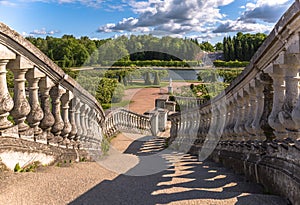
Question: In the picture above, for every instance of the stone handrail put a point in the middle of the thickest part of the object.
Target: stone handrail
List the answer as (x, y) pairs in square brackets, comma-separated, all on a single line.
[(256, 120), (121, 120), (126, 121), (47, 106), (187, 103)]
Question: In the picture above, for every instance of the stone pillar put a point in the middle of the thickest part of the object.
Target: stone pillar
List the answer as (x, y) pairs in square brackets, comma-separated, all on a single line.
[(259, 110), (36, 114), (83, 118), (72, 110), (65, 100), (268, 104), (6, 101), (154, 123), (56, 93), (221, 118), (48, 120), (229, 118), (291, 93), (239, 110), (252, 109), (277, 74), (21, 109), (78, 122)]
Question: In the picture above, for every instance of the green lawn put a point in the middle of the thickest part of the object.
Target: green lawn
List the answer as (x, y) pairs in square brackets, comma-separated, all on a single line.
[(123, 103)]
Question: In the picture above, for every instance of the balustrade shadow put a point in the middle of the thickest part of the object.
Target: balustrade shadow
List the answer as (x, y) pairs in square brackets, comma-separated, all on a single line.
[(182, 178)]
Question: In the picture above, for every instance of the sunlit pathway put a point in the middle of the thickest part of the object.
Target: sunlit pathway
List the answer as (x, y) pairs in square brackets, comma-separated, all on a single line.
[(140, 171)]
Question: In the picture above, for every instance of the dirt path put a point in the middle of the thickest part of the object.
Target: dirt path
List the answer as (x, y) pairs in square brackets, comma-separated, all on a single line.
[(170, 178), (143, 99)]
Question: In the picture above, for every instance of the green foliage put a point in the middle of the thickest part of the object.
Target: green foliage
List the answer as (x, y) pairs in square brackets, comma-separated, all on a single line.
[(142, 50), (72, 73), (109, 90), (118, 93), (230, 64), (82, 159), (206, 46), (208, 76), (229, 75), (219, 46), (105, 145), (147, 78), (151, 63), (156, 79), (242, 46), (17, 168), (10, 79), (218, 75), (29, 168)]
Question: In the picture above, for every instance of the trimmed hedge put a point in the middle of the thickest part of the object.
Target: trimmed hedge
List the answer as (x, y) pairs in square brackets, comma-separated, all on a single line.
[(149, 63), (230, 64)]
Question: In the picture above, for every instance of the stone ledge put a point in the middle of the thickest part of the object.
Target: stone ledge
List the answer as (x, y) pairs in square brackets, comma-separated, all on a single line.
[(16, 150), (277, 176)]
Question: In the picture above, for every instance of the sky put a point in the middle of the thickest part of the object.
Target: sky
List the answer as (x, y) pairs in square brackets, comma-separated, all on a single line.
[(206, 20)]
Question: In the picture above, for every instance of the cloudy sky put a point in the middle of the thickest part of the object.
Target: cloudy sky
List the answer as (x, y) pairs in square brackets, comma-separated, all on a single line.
[(208, 20)]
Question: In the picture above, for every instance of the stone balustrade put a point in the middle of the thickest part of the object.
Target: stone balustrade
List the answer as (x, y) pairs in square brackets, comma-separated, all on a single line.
[(121, 120), (46, 106), (186, 103), (254, 126)]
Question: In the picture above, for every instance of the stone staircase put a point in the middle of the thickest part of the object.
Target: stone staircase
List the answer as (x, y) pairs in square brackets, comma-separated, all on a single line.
[(157, 175)]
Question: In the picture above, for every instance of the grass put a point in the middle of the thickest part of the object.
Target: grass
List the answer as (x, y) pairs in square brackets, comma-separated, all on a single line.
[(29, 168), (123, 103)]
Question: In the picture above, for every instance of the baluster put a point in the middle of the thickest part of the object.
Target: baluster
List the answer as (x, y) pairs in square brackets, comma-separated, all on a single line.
[(222, 108), (268, 104), (78, 123), (245, 114), (83, 118), (65, 100), (277, 74), (239, 110), (21, 109), (72, 134), (291, 94), (90, 117), (252, 109), (56, 93), (36, 114), (259, 135), (6, 101), (48, 120)]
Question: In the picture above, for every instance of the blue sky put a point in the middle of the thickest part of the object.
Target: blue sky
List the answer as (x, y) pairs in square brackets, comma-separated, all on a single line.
[(207, 20)]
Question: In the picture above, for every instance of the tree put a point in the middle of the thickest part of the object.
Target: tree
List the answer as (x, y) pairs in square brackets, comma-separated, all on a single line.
[(147, 78), (156, 79), (109, 90), (219, 46)]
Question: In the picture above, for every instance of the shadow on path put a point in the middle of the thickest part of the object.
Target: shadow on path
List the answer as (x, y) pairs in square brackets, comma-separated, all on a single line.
[(182, 180)]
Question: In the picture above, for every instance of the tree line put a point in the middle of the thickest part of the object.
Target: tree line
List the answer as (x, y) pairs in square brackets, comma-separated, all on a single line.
[(69, 51), (242, 47)]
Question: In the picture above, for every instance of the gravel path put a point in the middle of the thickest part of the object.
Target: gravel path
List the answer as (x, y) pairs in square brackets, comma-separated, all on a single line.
[(167, 178), (143, 99)]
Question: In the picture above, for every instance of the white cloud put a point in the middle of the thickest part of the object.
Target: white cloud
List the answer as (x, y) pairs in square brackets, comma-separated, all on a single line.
[(43, 31), (7, 3), (170, 16), (259, 16), (242, 26), (89, 3)]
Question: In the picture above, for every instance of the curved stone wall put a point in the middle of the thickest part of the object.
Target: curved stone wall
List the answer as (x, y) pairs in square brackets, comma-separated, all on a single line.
[(46, 105), (253, 126)]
